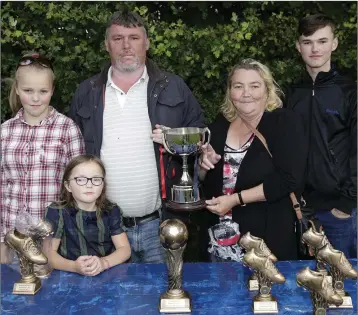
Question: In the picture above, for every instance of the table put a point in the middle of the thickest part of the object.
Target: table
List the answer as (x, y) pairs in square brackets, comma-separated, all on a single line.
[(134, 289)]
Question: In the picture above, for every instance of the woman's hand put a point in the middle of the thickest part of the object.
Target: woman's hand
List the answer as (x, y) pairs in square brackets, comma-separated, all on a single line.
[(208, 157), (221, 205)]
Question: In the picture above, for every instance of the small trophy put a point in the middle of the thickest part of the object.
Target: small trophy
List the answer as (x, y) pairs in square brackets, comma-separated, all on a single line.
[(340, 269), (25, 240), (184, 142), (248, 242), (316, 240), (267, 274), (321, 290), (173, 236)]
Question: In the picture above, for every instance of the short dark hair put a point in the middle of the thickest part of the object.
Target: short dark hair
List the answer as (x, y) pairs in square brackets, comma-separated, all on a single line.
[(126, 18), (311, 23)]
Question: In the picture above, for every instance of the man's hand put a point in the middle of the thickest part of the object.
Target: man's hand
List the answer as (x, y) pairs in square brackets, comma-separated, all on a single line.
[(340, 214), (222, 204), (208, 157), (157, 134)]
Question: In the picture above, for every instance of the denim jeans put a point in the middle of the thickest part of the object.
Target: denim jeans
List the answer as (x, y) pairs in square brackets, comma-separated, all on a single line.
[(145, 244), (342, 233)]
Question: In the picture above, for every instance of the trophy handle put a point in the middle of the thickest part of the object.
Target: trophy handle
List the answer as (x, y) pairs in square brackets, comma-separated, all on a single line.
[(206, 129), (165, 145)]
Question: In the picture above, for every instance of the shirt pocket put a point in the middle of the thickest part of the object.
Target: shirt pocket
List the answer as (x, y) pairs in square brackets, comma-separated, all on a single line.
[(170, 110), (51, 153)]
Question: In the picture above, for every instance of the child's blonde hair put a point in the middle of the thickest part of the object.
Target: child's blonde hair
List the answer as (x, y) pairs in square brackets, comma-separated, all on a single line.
[(14, 100)]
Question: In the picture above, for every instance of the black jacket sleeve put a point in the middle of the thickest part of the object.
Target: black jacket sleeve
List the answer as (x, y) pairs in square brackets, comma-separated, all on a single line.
[(349, 188), (289, 154)]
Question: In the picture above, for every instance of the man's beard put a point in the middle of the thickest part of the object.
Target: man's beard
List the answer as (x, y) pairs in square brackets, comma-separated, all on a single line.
[(128, 67)]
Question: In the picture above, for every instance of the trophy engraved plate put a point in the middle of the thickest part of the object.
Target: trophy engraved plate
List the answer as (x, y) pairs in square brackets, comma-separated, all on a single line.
[(262, 307), (26, 288), (173, 236), (253, 285), (185, 194)]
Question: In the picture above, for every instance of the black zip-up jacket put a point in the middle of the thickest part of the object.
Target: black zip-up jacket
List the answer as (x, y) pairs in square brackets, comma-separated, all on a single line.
[(329, 108), (170, 103)]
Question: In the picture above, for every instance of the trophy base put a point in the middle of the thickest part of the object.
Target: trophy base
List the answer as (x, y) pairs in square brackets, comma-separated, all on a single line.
[(347, 301), (30, 288), (193, 206), (175, 301), (265, 305)]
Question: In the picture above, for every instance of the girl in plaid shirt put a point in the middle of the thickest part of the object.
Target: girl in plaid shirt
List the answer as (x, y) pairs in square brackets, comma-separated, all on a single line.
[(89, 236), (36, 145)]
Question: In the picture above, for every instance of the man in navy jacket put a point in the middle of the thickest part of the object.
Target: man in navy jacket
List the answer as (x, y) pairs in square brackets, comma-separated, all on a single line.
[(114, 110)]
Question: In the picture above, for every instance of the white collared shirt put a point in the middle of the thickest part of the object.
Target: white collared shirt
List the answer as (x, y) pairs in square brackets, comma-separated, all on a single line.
[(127, 149)]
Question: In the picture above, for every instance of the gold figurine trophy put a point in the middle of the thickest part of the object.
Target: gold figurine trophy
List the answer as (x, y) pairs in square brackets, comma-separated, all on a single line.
[(340, 269), (248, 242), (316, 240), (25, 240), (173, 237), (267, 274), (321, 290)]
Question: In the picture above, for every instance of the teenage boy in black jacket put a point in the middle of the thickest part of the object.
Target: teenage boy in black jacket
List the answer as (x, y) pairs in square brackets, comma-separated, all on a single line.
[(328, 104)]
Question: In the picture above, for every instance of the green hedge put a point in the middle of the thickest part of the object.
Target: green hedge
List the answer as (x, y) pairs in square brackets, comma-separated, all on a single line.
[(200, 41)]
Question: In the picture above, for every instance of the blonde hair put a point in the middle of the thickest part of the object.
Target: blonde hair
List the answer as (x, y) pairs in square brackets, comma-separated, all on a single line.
[(272, 88), (14, 100)]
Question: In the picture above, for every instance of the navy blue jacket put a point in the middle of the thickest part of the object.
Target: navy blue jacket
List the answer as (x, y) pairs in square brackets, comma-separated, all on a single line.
[(170, 103), (329, 108)]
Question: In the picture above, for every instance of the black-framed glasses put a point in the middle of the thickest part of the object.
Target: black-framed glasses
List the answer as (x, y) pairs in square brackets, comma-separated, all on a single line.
[(81, 181), (28, 60)]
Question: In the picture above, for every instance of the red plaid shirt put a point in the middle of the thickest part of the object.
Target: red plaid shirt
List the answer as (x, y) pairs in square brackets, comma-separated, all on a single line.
[(33, 159)]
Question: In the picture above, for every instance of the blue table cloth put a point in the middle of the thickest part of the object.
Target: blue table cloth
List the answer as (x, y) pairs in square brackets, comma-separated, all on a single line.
[(134, 289)]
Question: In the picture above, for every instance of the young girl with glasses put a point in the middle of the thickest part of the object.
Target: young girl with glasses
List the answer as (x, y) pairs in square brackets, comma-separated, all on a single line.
[(36, 145), (88, 233)]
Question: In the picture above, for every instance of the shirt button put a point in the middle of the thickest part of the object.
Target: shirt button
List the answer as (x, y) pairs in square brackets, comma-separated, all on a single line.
[(155, 95)]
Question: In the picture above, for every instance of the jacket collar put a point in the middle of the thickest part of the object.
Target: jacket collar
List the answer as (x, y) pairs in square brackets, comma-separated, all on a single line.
[(154, 73), (321, 78)]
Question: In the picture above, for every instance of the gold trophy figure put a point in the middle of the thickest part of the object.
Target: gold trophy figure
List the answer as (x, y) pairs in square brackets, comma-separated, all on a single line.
[(248, 242), (267, 274), (25, 240), (173, 236), (321, 290), (316, 240), (340, 269)]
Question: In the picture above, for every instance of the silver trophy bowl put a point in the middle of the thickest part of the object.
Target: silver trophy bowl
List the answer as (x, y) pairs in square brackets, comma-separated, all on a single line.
[(184, 142)]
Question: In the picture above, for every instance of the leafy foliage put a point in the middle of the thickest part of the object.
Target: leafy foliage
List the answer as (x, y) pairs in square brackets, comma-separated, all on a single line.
[(200, 41)]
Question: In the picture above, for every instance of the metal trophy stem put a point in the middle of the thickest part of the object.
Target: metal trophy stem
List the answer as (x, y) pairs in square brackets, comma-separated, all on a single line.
[(184, 142), (319, 304), (173, 236)]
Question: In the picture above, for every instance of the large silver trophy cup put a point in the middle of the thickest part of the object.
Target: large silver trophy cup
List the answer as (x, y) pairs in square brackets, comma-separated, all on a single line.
[(186, 141)]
